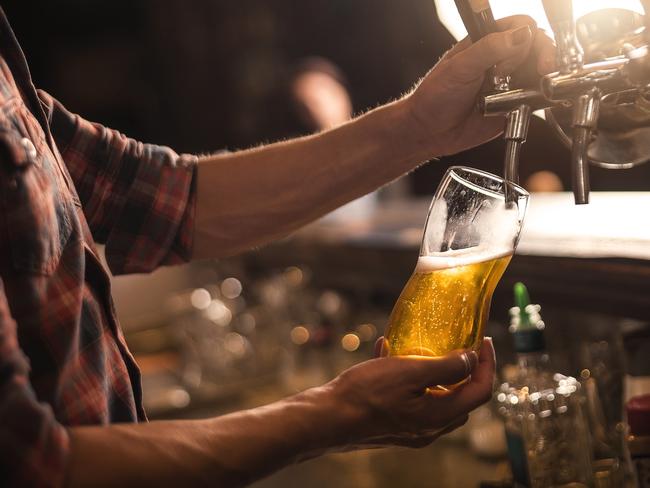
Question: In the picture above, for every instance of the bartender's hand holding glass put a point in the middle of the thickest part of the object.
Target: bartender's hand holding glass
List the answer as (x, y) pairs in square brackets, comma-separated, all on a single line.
[(444, 106), (389, 401)]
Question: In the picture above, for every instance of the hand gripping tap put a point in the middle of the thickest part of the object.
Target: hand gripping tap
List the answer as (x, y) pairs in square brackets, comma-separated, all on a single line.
[(598, 102), (479, 21)]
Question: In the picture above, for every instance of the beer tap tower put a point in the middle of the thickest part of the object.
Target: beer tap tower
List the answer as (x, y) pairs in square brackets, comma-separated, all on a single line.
[(598, 102)]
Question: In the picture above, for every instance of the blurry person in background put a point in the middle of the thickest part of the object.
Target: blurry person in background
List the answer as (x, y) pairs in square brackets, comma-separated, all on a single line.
[(70, 393), (321, 100), (318, 89)]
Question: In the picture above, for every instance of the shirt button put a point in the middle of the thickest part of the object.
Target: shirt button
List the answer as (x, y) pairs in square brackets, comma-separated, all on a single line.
[(29, 148)]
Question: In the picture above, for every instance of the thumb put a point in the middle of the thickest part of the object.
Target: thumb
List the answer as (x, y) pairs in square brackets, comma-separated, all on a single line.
[(381, 347), (423, 372), (502, 49)]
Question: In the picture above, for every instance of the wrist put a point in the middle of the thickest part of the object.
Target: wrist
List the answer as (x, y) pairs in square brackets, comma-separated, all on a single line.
[(332, 420), (411, 131)]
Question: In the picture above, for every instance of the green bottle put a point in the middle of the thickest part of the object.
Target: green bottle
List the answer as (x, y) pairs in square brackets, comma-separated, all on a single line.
[(547, 434)]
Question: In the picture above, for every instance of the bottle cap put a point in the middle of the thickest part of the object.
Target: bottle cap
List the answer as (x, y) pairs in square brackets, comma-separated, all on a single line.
[(526, 323)]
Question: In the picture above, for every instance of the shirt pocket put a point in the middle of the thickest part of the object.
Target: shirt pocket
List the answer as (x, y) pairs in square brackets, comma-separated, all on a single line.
[(36, 205)]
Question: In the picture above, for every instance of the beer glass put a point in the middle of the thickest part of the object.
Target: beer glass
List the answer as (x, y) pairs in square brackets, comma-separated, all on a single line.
[(471, 233)]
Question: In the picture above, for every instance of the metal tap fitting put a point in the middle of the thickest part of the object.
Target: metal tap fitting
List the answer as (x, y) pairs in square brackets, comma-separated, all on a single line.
[(570, 55), (585, 120)]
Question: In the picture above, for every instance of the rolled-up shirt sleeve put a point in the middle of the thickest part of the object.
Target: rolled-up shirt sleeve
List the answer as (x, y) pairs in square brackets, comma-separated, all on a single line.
[(138, 198), (33, 445)]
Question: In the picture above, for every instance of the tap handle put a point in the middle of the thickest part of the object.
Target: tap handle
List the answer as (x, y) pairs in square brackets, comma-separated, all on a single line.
[(479, 22), (477, 17), (558, 11), (560, 16)]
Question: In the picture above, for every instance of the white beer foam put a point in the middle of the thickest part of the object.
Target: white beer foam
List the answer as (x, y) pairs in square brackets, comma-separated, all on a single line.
[(459, 257), (498, 225), (495, 225)]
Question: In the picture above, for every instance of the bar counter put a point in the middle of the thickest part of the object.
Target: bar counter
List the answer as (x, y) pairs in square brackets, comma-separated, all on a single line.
[(594, 257)]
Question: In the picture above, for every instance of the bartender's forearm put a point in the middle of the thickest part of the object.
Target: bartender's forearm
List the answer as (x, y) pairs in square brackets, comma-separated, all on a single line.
[(251, 197), (231, 451), (375, 403)]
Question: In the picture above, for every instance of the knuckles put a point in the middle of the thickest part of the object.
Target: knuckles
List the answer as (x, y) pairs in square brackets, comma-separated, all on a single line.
[(494, 42)]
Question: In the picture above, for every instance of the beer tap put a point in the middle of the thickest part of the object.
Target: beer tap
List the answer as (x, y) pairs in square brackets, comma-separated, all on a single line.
[(479, 22), (598, 104), (609, 126), (586, 106)]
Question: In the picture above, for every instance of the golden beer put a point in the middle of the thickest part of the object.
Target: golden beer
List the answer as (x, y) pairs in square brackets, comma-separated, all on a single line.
[(445, 304)]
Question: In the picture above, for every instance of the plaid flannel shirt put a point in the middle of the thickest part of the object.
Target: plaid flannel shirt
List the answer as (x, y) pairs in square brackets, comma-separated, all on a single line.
[(63, 182)]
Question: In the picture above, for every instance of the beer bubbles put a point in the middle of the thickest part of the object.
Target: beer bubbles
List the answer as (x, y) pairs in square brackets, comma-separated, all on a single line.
[(470, 236)]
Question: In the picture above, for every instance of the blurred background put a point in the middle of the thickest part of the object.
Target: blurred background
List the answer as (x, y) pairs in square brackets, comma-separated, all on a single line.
[(219, 336), (213, 74)]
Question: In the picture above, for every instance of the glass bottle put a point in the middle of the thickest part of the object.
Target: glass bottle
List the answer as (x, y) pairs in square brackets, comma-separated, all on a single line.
[(546, 429)]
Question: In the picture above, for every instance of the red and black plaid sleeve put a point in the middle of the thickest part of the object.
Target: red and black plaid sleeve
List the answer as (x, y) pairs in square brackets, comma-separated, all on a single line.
[(33, 446), (138, 198)]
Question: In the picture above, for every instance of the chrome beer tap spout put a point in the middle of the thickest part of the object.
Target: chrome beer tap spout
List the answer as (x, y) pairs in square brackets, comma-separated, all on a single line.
[(585, 118), (517, 124)]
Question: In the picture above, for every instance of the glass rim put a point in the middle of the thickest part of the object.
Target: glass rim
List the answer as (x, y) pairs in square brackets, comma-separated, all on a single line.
[(455, 172)]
